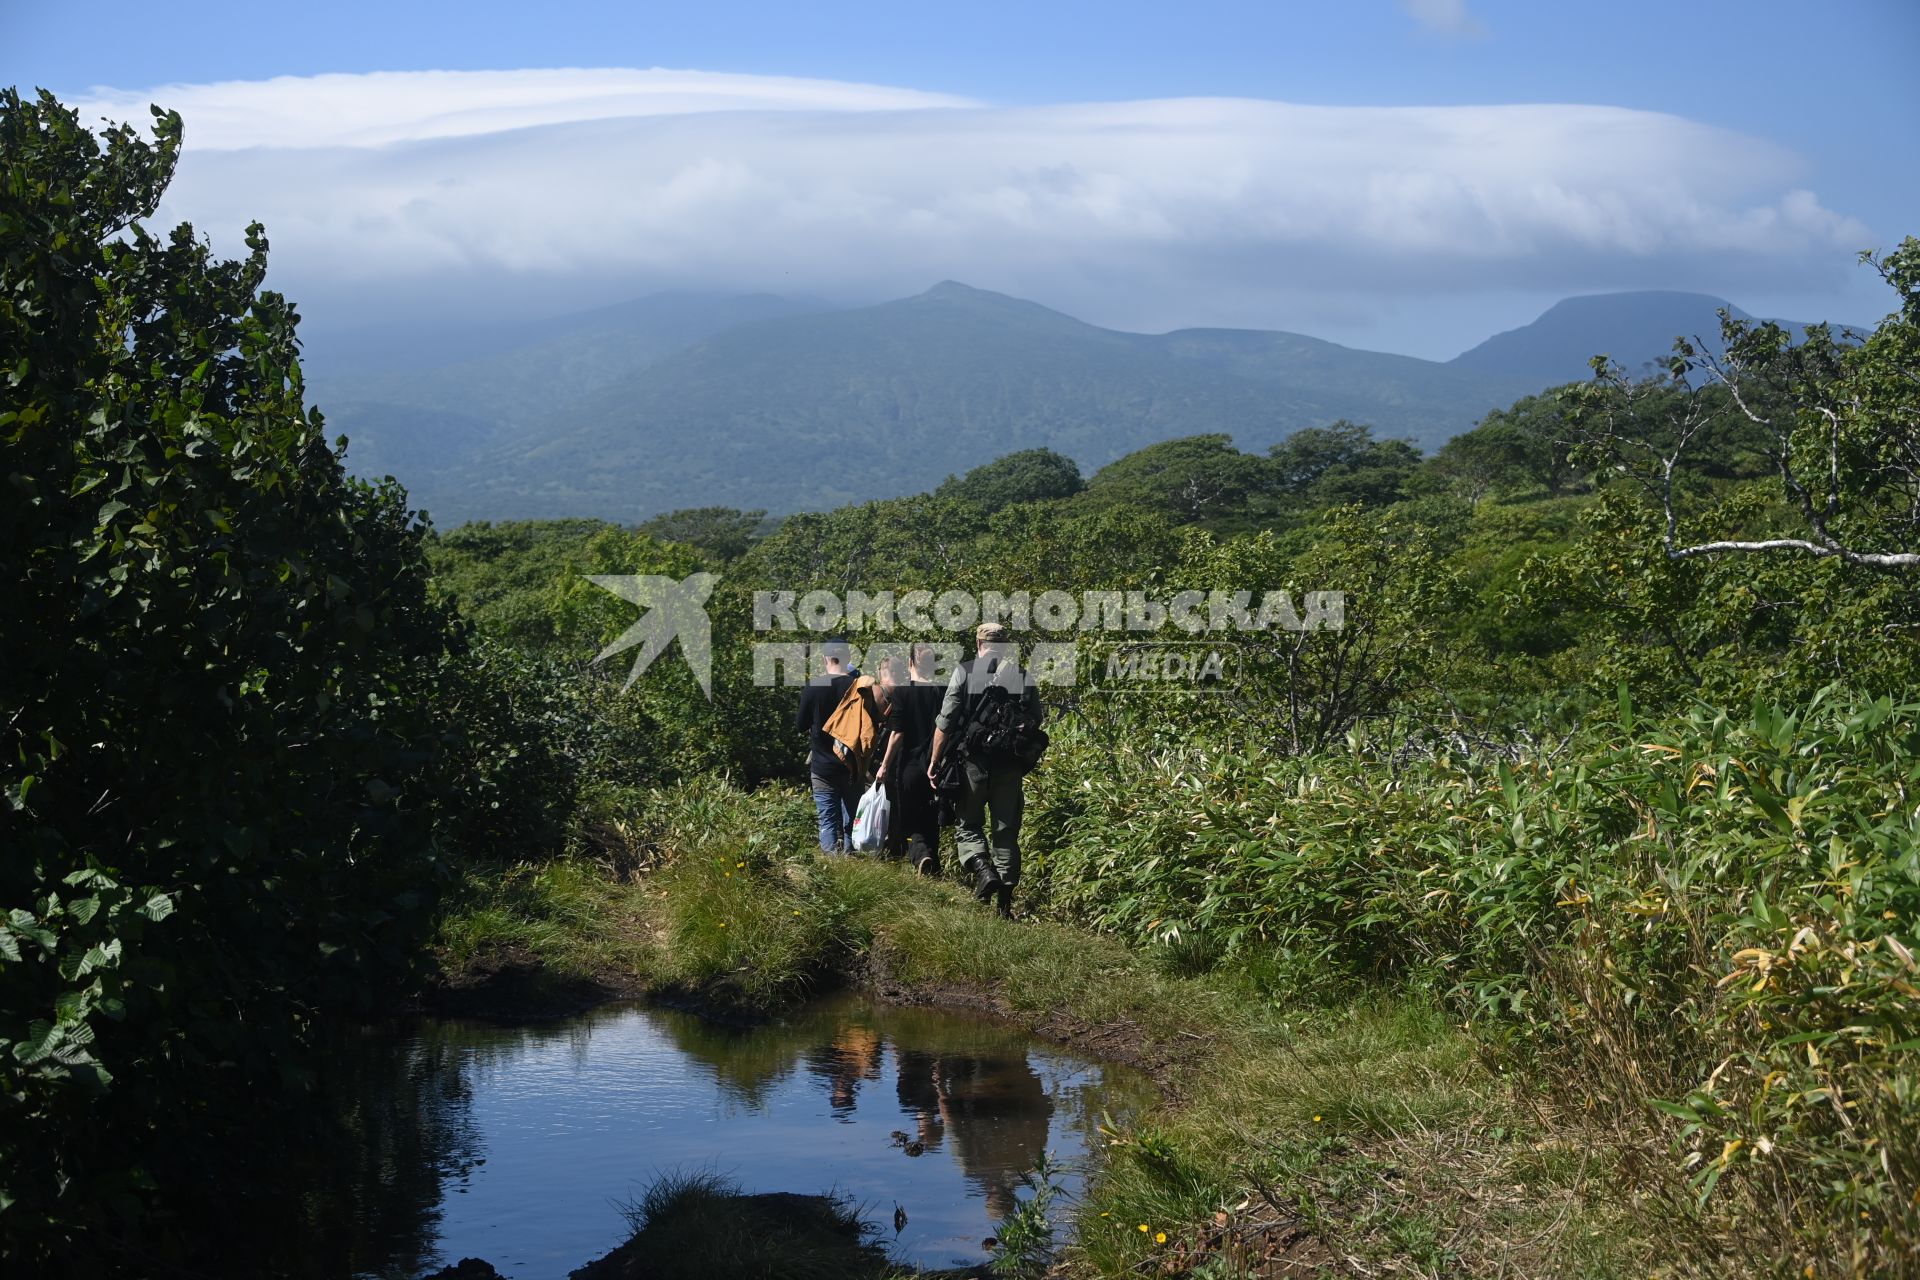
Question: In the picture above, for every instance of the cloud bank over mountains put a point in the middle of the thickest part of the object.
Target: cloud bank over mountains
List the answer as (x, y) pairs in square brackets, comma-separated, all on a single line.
[(1144, 213), (376, 108)]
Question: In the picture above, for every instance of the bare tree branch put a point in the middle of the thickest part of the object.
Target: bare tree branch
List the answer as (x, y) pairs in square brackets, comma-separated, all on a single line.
[(1819, 397)]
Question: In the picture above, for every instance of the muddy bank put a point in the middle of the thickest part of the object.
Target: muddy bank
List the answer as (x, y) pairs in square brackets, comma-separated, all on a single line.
[(1124, 1042), (513, 984)]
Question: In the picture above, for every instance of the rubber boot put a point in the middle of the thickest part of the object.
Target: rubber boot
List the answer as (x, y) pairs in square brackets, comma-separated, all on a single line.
[(1003, 901), (986, 879)]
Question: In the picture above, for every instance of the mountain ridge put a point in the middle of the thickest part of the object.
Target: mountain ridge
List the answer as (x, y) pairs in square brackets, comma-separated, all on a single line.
[(1563, 339), (755, 400)]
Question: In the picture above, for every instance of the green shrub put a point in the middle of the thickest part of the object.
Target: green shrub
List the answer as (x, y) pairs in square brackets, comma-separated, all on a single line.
[(219, 760), (1703, 916)]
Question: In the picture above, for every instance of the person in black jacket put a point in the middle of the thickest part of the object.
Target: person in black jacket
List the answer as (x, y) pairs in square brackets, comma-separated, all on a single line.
[(990, 786), (833, 798), (915, 704)]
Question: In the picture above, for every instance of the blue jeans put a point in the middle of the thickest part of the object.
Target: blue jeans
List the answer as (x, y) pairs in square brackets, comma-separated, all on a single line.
[(833, 803)]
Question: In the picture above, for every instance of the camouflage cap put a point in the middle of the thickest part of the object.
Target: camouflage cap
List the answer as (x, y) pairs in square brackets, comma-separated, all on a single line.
[(991, 633)]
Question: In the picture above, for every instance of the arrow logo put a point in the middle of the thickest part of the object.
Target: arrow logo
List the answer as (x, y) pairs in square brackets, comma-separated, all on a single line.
[(676, 609)]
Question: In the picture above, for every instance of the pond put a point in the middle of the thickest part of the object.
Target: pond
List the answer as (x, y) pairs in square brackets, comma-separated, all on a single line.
[(522, 1144)]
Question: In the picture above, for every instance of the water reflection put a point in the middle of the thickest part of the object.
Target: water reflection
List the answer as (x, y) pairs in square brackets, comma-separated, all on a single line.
[(351, 1185), (997, 1110), (853, 1055), (518, 1144), (983, 1089)]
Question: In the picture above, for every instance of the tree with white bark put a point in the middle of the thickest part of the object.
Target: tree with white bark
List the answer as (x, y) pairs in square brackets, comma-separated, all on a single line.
[(1835, 417)]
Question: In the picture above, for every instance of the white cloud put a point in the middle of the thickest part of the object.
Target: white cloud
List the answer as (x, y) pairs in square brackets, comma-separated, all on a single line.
[(1445, 17), (405, 106), (1125, 210)]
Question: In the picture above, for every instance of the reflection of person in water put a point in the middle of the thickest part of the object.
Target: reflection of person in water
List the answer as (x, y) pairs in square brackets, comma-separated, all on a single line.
[(995, 1108), (919, 1095), (853, 1055)]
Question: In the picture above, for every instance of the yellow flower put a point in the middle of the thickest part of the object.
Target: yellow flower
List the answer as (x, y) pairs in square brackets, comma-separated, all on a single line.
[(723, 924), (1143, 1228), (739, 864), (729, 875), (1159, 1237), (1316, 1119)]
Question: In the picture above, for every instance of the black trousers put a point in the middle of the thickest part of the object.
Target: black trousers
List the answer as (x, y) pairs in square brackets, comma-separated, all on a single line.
[(915, 830)]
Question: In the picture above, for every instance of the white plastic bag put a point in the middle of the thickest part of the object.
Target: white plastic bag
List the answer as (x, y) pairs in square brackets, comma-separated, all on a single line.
[(870, 820)]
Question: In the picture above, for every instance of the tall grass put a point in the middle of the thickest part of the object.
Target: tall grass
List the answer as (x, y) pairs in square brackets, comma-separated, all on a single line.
[(1705, 924)]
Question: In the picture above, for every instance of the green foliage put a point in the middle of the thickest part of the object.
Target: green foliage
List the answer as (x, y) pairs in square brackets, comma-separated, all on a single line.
[(523, 735), (1068, 547), (1800, 867), (724, 533), (1527, 447), (1707, 915), (1204, 480), (506, 578), (1341, 464), (1303, 688), (1508, 626), (220, 762), (1031, 475), (1828, 419), (1027, 1245), (1723, 627), (525, 586), (1190, 480)]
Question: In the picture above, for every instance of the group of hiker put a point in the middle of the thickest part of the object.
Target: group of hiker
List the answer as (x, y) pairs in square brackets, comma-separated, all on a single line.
[(898, 753)]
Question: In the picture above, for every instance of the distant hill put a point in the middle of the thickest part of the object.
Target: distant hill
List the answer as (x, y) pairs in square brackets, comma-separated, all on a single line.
[(815, 407), (413, 421), (683, 400), (1632, 329)]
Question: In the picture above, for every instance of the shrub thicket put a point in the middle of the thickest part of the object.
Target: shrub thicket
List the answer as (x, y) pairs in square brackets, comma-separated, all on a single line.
[(221, 757)]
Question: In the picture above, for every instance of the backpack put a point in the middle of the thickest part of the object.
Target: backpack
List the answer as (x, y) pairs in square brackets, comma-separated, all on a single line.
[(1000, 731)]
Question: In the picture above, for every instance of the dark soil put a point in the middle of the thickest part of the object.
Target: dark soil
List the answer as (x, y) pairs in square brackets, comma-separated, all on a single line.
[(512, 984)]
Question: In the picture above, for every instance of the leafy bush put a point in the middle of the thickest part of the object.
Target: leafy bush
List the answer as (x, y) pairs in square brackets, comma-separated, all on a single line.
[(220, 766)]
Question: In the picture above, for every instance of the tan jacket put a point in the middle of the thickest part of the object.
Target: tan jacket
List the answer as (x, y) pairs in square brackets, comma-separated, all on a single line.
[(854, 727)]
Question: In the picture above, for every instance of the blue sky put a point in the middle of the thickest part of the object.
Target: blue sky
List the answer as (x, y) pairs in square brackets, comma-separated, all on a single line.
[(1812, 99)]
